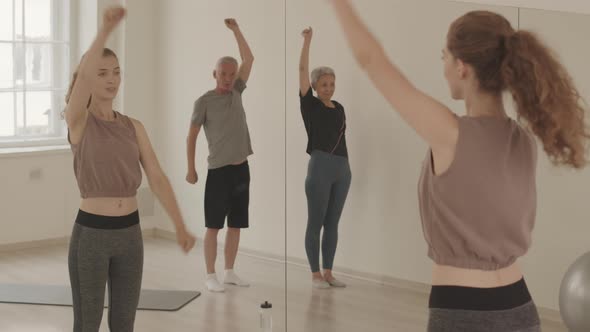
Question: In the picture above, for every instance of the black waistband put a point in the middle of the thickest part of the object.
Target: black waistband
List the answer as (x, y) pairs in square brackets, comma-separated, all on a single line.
[(107, 222), (230, 167), (470, 298), (325, 154)]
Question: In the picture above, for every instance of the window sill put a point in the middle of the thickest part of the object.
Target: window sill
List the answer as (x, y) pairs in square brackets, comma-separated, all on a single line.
[(34, 151)]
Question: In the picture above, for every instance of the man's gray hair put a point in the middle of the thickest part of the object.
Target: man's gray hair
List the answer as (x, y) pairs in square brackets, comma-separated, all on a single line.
[(226, 59)]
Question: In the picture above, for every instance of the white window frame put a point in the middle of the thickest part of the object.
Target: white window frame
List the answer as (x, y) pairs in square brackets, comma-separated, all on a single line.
[(60, 73)]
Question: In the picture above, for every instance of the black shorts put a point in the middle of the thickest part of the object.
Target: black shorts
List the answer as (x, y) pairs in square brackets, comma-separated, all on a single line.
[(227, 194)]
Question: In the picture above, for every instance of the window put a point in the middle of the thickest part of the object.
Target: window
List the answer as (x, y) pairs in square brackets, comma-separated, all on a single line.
[(34, 71)]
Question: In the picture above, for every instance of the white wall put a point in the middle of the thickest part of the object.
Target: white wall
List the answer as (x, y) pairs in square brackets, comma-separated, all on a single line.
[(380, 228), (85, 16), (561, 233), (44, 207), (170, 49), (37, 209), (380, 232), (141, 47), (192, 37), (573, 6)]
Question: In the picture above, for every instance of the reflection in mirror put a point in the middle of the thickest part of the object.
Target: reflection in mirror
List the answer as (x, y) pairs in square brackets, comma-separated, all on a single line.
[(562, 201), (477, 205), (153, 73)]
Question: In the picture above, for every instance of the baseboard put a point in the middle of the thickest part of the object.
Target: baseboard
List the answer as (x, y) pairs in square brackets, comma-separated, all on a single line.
[(164, 234), (58, 241), (550, 315), (546, 314), (369, 277), (169, 235)]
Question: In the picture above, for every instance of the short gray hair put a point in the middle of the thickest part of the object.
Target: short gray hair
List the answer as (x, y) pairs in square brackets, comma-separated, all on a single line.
[(226, 59), (319, 72)]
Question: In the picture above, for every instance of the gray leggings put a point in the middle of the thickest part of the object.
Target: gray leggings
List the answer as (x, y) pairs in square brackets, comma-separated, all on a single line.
[(327, 183), (507, 308), (521, 319), (105, 249)]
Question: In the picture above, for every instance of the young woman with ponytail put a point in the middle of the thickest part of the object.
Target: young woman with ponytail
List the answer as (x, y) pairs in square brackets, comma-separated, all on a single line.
[(109, 149), (477, 190)]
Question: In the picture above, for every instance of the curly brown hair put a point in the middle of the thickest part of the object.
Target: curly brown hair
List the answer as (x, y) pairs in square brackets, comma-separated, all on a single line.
[(543, 91)]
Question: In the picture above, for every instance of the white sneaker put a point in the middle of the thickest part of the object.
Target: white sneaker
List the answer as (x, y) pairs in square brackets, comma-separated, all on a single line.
[(232, 278), (213, 284), (320, 284), (336, 283)]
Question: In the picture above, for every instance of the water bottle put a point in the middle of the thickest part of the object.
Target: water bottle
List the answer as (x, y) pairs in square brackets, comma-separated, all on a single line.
[(266, 317)]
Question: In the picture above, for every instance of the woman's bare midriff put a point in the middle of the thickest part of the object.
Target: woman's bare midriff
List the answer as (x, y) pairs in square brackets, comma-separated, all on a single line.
[(454, 276), (109, 206)]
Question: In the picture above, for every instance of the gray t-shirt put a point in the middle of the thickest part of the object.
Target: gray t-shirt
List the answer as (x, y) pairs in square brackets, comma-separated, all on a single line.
[(224, 121)]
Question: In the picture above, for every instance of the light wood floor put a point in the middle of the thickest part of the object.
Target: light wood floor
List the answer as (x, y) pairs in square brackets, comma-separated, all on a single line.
[(363, 306)]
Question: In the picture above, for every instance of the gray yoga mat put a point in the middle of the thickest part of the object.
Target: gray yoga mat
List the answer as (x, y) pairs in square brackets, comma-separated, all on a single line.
[(150, 299)]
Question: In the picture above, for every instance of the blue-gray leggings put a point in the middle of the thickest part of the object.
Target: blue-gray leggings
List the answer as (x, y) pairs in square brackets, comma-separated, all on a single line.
[(326, 186)]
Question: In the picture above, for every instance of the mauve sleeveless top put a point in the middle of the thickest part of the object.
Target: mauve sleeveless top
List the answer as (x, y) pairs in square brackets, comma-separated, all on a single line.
[(480, 213), (106, 161)]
